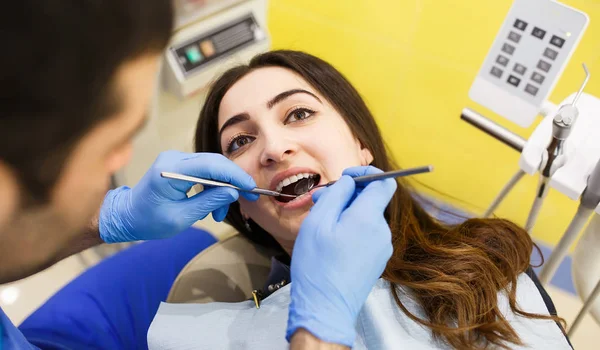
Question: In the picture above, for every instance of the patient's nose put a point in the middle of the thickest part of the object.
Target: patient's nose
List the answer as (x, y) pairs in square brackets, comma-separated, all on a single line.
[(277, 149)]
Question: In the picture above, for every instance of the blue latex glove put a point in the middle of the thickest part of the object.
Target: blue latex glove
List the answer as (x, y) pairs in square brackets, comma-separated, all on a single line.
[(158, 207), (341, 251)]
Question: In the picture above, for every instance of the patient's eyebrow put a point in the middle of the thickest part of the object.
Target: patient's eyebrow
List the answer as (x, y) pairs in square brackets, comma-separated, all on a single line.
[(236, 119), (282, 96)]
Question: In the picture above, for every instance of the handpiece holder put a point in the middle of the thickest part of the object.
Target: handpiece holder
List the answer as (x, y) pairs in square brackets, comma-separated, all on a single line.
[(574, 128)]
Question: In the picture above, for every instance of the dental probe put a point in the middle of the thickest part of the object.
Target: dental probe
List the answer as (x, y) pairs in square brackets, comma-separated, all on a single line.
[(562, 124), (385, 175)]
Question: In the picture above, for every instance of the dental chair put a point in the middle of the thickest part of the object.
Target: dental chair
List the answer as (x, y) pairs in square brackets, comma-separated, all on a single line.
[(227, 271)]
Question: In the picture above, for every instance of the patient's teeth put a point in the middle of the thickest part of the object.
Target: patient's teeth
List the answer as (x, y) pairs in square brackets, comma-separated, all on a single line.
[(292, 179)]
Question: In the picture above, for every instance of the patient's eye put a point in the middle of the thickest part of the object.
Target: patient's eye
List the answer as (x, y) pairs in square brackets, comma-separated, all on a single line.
[(238, 142), (299, 114)]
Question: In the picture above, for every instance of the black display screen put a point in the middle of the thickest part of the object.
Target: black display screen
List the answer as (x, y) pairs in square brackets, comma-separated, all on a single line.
[(213, 45)]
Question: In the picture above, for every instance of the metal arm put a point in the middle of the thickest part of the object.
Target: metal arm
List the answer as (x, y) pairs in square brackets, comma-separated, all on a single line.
[(498, 132)]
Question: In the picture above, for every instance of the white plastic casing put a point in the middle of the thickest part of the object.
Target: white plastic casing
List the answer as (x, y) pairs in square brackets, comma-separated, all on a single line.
[(582, 149), (181, 84)]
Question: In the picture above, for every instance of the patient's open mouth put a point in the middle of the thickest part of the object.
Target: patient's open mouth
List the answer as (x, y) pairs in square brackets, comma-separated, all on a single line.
[(298, 185)]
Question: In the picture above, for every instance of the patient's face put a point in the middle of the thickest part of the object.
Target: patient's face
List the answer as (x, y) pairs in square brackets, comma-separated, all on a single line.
[(282, 132)]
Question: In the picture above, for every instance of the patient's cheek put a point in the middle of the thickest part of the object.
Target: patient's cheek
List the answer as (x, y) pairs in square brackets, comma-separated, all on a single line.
[(245, 205)]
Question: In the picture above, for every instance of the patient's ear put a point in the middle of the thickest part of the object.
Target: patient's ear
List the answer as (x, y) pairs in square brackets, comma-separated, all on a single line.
[(366, 157)]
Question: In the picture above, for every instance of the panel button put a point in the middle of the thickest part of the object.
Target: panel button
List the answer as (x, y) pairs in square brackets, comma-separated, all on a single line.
[(557, 41), (207, 48), (519, 68), (497, 72), (537, 77), (538, 33), (501, 60), (531, 89), (543, 65), (193, 54), (508, 48), (551, 54), (515, 37), (521, 25), (512, 80)]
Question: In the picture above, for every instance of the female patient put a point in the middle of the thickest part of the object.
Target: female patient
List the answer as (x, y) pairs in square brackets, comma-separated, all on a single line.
[(288, 118)]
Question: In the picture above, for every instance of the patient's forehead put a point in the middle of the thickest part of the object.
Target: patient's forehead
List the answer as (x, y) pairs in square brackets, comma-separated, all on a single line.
[(256, 88)]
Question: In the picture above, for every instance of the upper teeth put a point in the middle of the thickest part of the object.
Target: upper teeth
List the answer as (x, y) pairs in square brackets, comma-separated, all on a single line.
[(292, 179)]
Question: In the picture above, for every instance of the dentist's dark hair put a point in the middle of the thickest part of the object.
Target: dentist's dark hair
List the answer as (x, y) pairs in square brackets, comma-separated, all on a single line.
[(455, 272), (57, 76)]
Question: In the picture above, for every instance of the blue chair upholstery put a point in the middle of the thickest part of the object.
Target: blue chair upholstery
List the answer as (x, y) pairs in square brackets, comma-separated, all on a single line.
[(111, 305)]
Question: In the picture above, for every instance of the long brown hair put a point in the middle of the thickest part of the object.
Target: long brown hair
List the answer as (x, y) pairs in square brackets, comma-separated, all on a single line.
[(455, 271)]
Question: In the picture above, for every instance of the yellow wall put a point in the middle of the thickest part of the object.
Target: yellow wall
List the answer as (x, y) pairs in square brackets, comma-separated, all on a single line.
[(414, 62)]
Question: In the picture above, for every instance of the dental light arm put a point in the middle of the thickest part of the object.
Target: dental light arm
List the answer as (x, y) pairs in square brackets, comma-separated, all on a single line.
[(589, 202)]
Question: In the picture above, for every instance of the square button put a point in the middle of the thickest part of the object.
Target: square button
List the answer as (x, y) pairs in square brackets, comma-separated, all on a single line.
[(193, 54), (557, 41), (521, 25), (531, 89), (537, 77), (497, 72), (538, 33), (512, 80), (515, 37), (207, 48), (551, 54), (501, 60), (543, 65), (508, 48), (519, 68)]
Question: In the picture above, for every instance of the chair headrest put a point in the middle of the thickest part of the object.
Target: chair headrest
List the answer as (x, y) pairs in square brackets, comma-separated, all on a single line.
[(227, 271)]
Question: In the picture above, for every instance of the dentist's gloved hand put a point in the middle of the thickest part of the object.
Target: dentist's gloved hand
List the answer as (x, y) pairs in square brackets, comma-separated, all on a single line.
[(341, 251), (158, 207)]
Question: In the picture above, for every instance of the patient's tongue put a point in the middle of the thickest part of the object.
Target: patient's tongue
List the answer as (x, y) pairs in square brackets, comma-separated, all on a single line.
[(304, 185), (297, 188)]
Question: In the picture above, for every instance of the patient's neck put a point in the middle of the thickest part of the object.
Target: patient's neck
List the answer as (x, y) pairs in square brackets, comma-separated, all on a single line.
[(287, 245)]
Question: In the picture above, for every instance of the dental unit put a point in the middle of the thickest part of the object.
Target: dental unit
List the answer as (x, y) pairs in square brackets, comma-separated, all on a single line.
[(539, 37)]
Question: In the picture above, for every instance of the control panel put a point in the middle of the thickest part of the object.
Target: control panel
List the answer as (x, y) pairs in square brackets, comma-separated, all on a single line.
[(211, 46), (204, 48), (527, 58)]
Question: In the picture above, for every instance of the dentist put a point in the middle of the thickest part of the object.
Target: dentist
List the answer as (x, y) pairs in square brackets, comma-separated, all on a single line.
[(75, 82)]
